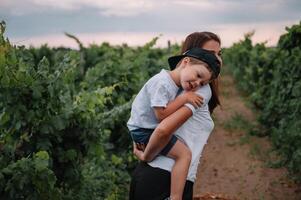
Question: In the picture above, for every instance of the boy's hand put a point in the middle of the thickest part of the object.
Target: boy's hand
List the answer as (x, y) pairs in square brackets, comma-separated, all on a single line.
[(140, 146), (138, 152), (194, 99)]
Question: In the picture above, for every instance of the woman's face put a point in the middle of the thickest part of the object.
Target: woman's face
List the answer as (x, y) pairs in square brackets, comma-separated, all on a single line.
[(215, 47)]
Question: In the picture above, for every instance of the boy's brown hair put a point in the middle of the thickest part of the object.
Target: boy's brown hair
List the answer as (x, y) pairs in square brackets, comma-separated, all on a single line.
[(195, 61)]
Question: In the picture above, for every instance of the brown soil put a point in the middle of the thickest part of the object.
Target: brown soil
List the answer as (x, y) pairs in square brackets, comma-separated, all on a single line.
[(232, 169)]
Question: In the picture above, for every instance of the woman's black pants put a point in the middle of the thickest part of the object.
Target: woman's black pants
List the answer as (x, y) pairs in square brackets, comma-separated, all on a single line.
[(149, 183)]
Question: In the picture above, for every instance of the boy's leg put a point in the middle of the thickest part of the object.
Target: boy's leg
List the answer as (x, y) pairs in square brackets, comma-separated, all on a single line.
[(182, 156)]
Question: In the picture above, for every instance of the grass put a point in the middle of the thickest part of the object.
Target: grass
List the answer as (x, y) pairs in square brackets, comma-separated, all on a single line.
[(237, 122), (240, 126), (245, 139), (256, 151)]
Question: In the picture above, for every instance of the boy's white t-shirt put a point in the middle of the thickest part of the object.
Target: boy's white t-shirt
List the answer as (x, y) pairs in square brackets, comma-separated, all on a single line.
[(194, 132), (156, 92)]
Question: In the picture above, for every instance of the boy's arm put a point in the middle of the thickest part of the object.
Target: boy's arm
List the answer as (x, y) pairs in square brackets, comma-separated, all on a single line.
[(188, 97), (163, 133)]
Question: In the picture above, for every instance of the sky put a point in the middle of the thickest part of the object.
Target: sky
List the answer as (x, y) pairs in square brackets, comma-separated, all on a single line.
[(135, 22)]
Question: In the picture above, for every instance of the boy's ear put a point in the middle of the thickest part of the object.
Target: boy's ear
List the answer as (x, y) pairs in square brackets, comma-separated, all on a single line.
[(185, 60)]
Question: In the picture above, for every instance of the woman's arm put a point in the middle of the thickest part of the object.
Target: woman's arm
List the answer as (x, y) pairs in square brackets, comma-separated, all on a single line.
[(163, 133)]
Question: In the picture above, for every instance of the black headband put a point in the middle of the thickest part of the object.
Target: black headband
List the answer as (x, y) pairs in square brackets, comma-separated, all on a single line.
[(200, 54)]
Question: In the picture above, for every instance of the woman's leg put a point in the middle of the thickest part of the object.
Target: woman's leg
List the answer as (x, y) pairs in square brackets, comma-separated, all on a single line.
[(149, 183), (182, 156), (188, 191)]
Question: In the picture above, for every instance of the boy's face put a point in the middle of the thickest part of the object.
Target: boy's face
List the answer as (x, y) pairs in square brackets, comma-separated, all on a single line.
[(194, 75)]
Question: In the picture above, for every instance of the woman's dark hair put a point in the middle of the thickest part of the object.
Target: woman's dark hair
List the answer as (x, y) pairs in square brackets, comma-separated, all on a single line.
[(198, 39)]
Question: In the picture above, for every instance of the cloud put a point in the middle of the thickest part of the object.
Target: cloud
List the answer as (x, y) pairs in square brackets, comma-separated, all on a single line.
[(50, 17), (106, 8), (123, 7), (207, 5), (229, 34), (194, 3), (128, 8)]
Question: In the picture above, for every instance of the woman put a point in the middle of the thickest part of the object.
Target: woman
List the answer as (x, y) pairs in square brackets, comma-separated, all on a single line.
[(152, 180)]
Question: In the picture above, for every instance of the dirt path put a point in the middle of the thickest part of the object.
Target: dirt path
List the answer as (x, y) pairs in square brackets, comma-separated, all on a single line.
[(234, 164)]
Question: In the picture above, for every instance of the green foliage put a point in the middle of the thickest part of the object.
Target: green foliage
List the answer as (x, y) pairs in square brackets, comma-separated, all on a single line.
[(292, 39), (63, 117), (29, 178), (63, 112), (272, 77), (238, 122)]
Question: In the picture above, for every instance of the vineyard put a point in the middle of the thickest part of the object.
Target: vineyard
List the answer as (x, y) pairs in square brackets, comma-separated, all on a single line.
[(272, 79), (63, 112)]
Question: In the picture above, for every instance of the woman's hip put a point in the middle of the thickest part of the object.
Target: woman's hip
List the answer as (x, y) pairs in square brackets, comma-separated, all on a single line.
[(149, 183)]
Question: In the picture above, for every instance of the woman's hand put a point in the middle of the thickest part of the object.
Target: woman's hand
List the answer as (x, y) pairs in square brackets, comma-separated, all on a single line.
[(138, 151)]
